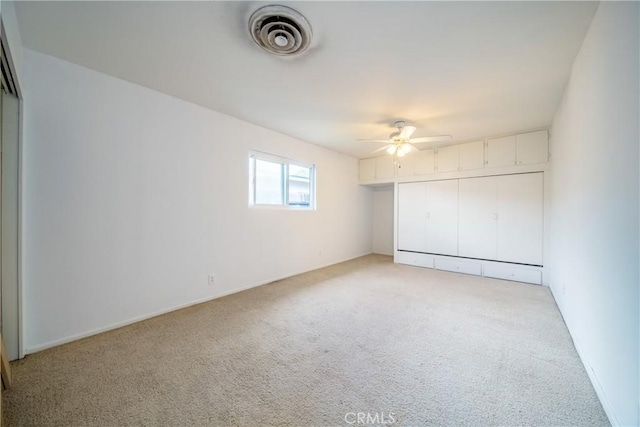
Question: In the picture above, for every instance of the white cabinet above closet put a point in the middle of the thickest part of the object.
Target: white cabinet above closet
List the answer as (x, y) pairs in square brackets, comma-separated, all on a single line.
[(461, 157), (448, 159), (520, 153), (520, 149), (420, 163), (378, 168), (385, 167), (472, 155)]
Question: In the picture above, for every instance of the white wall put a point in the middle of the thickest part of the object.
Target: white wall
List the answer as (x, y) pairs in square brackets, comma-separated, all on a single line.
[(132, 197), (594, 202), (383, 220)]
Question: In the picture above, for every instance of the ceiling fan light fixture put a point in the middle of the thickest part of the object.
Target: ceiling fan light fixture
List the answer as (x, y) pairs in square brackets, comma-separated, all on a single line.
[(400, 142)]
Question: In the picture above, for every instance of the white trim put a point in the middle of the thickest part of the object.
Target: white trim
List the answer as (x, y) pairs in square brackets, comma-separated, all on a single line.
[(382, 253), (522, 273), (604, 401), (278, 159), (21, 299), (117, 325), (19, 249)]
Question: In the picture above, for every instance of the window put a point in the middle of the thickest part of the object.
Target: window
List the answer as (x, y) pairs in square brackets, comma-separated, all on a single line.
[(276, 181)]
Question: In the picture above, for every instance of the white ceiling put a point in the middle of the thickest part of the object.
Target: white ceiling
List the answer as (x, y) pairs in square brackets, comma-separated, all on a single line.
[(469, 69)]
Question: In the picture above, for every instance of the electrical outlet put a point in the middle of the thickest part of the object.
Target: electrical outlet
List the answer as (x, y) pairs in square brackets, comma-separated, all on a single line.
[(212, 280)]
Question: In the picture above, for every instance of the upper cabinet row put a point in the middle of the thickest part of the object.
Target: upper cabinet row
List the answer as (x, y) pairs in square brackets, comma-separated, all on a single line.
[(514, 150)]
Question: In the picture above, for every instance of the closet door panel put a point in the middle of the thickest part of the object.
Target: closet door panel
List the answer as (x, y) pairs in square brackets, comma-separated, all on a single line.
[(520, 218), (477, 218), (442, 217), (412, 217)]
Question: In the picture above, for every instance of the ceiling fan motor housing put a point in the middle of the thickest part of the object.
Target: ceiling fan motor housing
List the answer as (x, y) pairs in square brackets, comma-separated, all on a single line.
[(280, 30)]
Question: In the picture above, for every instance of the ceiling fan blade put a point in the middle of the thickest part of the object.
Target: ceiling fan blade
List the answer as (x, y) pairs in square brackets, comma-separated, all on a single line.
[(386, 141), (430, 138), (406, 132), (379, 150), (412, 149)]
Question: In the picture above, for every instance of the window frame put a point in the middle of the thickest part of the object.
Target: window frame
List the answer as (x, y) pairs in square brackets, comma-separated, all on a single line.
[(285, 162)]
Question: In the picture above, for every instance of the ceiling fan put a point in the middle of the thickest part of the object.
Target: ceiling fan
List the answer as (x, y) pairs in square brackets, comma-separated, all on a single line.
[(400, 142)]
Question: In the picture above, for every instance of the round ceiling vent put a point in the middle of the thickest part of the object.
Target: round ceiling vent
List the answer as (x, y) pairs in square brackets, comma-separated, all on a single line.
[(280, 30)]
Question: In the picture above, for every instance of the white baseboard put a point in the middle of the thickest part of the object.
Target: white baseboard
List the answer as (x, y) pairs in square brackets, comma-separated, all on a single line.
[(96, 331), (604, 401)]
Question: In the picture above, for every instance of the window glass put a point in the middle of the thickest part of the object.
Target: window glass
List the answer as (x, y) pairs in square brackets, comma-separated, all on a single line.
[(299, 185), (268, 182), (274, 180)]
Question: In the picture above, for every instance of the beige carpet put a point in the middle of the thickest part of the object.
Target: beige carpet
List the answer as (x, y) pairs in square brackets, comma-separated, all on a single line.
[(417, 346)]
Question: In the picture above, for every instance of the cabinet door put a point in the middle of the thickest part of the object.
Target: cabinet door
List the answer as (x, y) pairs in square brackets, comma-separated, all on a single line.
[(477, 218), (532, 147), (442, 217), (385, 167), (511, 272), (520, 218), (501, 151), (424, 162), (413, 258), (472, 155), (406, 165), (412, 214), (367, 169), (448, 159)]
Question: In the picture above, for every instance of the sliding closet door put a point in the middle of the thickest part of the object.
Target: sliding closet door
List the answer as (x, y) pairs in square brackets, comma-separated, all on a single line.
[(520, 218), (442, 217), (412, 214), (478, 218)]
